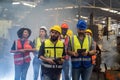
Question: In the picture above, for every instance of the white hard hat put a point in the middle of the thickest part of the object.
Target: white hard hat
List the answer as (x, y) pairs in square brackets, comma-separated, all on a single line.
[(43, 28)]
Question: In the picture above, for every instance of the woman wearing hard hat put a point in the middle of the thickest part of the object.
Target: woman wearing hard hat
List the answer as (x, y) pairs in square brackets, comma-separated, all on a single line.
[(37, 42)]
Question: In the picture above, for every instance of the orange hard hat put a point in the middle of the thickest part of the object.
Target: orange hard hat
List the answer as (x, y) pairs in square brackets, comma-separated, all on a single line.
[(64, 25)]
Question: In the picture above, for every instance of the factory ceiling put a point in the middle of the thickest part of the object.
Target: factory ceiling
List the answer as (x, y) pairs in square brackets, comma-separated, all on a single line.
[(99, 8)]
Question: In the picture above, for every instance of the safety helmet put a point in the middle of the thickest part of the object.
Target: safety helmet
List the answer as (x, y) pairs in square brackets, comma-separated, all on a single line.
[(56, 28), (64, 25), (81, 25), (69, 32), (88, 30), (43, 27)]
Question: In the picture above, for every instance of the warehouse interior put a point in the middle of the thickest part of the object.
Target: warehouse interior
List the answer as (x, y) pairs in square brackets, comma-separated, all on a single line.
[(102, 17)]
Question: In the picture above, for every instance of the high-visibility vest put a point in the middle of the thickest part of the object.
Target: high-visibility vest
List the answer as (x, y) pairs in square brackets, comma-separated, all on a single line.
[(20, 58), (53, 51), (84, 61), (37, 43)]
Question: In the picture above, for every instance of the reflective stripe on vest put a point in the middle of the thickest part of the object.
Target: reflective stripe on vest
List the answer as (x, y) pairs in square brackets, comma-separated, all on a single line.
[(81, 59), (53, 50), (51, 66), (22, 58)]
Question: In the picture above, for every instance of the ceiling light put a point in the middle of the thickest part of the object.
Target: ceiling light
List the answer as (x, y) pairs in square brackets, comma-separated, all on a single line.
[(84, 17), (113, 11), (105, 9), (30, 5), (50, 9), (118, 13), (69, 7), (15, 3)]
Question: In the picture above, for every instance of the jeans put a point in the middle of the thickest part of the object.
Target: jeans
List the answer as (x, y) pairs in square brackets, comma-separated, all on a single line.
[(85, 73), (66, 73), (21, 71), (51, 77), (36, 67)]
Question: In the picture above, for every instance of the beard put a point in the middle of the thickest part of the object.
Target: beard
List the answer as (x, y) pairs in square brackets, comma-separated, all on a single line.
[(53, 38)]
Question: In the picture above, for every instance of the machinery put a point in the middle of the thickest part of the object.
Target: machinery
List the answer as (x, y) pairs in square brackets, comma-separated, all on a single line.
[(118, 41), (109, 43)]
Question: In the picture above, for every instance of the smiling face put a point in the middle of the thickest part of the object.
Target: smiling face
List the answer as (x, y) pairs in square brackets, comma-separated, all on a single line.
[(25, 34)]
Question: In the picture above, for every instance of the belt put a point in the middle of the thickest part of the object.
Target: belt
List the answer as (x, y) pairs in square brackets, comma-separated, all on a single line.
[(51, 66), (81, 59)]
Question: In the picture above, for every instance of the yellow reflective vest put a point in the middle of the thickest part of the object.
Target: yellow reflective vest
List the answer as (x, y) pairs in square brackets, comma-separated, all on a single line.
[(53, 50), (37, 43), (84, 61), (85, 45)]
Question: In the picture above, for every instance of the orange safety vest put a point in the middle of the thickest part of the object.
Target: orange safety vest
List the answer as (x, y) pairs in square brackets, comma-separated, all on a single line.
[(20, 58), (93, 59)]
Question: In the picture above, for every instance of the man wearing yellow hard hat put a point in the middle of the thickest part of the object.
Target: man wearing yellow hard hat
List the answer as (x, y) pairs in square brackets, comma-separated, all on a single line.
[(89, 32), (69, 33), (96, 59), (52, 52)]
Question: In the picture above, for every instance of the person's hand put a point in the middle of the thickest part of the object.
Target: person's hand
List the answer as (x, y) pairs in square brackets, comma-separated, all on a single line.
[(21, 51), (61, 61), (50, 61), (75, 54), (85, 53)]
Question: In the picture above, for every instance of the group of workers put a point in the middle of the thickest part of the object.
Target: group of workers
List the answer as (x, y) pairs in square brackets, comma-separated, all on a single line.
[(60, 53)]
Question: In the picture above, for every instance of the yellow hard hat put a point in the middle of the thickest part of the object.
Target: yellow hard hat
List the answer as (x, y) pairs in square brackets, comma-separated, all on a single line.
[(56, 28), (88, 31), (69, 32)]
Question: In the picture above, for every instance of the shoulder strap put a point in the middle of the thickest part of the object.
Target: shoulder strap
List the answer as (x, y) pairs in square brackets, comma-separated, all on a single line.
[(90, 41), (72, 42), (36, 41), (29, 41), (16, 44)]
